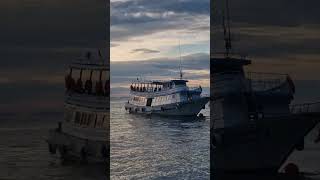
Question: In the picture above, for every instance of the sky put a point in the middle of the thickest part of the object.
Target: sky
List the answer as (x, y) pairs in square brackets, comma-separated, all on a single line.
[(38, 38), (148, 37), (280, 36), (148, 29)]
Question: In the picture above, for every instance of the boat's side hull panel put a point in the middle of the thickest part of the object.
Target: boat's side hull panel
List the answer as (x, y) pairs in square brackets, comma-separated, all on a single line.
[(261, 148), (71, 147), (191, 108)]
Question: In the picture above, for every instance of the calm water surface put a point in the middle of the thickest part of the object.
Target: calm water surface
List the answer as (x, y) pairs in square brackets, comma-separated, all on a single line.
[(141, 148), (24, 153), (144, 147)]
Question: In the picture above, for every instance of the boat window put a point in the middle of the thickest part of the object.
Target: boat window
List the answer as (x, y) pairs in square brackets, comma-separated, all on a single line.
[(89, 119), (180, 83), (84, 117), (149, 101), (95, 121), (103, 120), (106, 122), (100, 121)]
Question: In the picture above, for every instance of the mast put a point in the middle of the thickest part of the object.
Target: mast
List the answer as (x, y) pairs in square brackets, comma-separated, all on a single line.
[(180, 65), (226, 30)]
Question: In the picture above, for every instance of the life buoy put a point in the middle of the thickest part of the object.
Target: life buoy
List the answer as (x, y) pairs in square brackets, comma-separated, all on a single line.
[(79, 85), (99, 89), (72, 84), (88, 86)]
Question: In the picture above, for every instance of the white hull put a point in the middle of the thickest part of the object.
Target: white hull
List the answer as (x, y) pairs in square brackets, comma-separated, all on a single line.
[(95, 151), (191, 108)]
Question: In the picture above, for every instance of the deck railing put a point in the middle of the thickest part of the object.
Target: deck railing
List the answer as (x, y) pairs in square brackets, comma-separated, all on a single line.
[(264, 81), (230, 55), (313, 107)]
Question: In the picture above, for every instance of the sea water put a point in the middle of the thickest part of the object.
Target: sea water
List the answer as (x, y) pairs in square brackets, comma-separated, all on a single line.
[(156, 147)]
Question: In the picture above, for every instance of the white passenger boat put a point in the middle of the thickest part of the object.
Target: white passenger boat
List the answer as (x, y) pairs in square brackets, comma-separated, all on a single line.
[(171, 97), (84, 133)]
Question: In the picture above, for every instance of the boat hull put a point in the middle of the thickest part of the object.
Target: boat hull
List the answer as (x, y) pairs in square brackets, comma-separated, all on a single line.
[(190, 108), (260, 149), (71, 147)]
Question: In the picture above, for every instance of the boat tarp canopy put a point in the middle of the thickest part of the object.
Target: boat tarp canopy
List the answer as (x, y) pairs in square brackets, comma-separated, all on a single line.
[(162, 82)]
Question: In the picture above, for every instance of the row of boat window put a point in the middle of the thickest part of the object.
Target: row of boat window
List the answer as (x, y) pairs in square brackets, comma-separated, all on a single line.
[(89, 119), (164, 98), (144, 89), (156, 99), (139, 99)]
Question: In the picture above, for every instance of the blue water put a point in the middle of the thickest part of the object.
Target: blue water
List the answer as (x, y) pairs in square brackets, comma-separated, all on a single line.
[(144, 147)]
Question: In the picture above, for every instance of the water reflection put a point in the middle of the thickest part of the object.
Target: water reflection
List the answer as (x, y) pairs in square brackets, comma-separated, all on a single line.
[(156, 146)]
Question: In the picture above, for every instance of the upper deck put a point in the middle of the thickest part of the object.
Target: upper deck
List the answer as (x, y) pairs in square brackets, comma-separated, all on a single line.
[(87, 83), (89, 65), (158, 88)]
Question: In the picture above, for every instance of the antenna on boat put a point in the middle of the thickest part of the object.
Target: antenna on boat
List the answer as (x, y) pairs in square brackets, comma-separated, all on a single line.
[(180, 65), (99, 53), (226, 30)]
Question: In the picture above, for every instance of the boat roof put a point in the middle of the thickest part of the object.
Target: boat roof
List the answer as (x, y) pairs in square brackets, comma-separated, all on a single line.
[(160, 82), (90, 65)]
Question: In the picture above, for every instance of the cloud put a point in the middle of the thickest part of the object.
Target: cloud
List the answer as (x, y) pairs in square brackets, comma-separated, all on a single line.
[(278, 36), (144, 50), (152, 24), (113, 45), (38, 39), (271, 12), (52, 24)]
